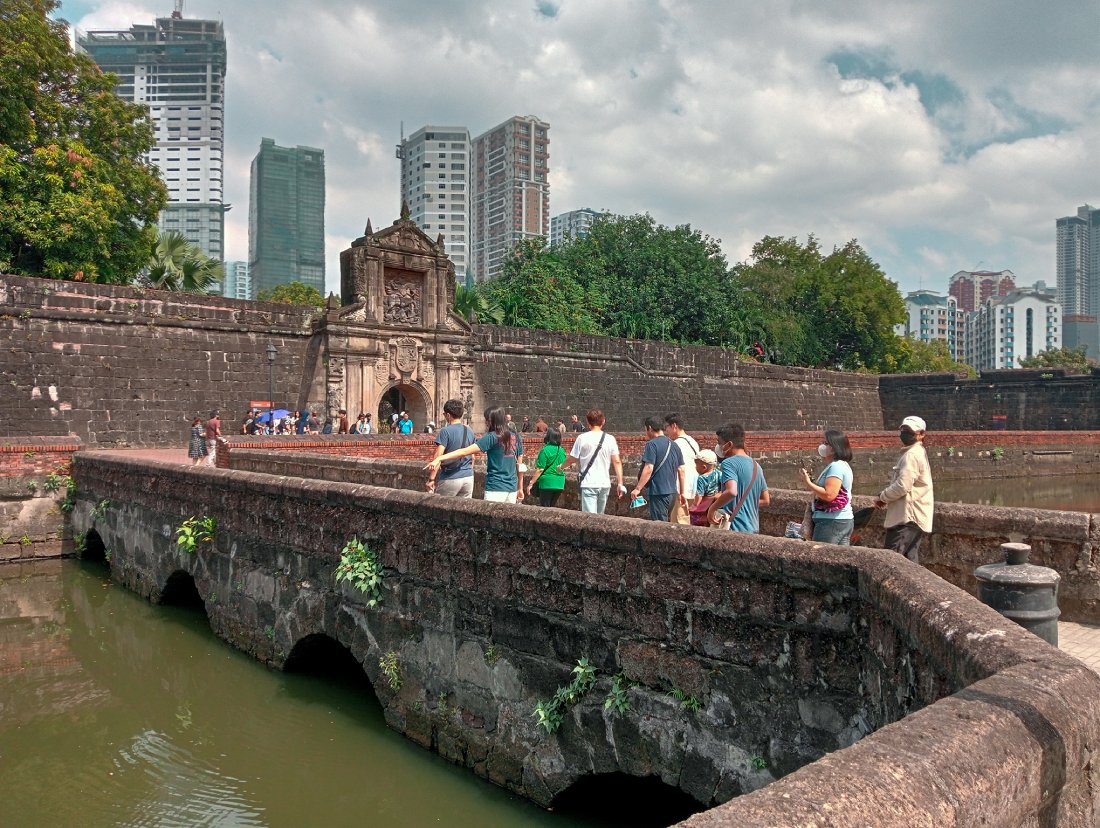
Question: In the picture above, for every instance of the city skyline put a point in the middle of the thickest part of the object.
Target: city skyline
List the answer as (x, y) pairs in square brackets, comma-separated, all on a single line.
[(942, 137)]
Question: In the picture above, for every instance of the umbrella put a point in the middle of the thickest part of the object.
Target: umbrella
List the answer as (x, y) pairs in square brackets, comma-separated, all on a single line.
[(279, 414)]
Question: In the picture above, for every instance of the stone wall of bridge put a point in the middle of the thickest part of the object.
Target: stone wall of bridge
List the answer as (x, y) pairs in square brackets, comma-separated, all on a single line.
[(963, 538), (793, 652)]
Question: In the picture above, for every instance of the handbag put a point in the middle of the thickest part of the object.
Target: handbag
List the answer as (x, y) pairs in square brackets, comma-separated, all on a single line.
[(698, 513), (557, 461)]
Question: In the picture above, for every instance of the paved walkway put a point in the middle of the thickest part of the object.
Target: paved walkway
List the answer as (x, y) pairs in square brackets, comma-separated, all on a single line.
[(1081, 641)]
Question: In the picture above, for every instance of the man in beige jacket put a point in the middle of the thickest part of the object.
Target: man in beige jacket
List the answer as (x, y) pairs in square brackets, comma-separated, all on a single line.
[(908, 499)]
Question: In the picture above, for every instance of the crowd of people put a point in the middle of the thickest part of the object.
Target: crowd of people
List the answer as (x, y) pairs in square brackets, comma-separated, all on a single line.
[(679, 481)]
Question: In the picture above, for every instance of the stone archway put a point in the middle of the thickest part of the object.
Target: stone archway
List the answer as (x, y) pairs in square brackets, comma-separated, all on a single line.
[(409, 397)]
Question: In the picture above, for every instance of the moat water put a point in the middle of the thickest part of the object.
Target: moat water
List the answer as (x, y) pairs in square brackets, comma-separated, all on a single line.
[(116, 712)]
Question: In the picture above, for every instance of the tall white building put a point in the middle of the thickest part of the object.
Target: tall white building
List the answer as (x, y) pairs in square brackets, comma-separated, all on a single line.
[(1006, 329), (1078, 274), (238, 282), (571, 225), (510, 191), (177, 68), (435, 183), (933, 316)]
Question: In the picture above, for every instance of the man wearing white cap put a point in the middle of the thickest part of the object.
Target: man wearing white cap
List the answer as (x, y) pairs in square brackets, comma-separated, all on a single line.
[(908, 499)]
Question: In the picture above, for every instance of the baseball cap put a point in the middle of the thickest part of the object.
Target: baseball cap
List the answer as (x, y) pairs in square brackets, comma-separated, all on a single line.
[(708, 457), (915, 423)]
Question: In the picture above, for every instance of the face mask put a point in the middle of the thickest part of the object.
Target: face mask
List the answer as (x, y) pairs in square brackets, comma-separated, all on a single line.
[(822, 451), (907, 437), (718, 450)]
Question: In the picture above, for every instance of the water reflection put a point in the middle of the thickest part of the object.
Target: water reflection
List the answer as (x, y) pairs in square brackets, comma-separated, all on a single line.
[(116, 712)]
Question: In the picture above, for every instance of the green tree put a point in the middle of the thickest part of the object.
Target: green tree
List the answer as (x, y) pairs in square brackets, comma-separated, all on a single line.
[(471, 304), (293, 293), (78, 200), (536, 290), (828, 311), (176, 264), (914, 356), (1069, 358)]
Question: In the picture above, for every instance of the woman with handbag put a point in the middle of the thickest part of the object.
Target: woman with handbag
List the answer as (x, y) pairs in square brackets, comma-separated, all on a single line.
[(831, 514), (548, 478)]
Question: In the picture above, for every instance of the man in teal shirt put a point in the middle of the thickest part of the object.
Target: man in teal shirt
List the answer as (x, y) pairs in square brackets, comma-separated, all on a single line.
[(741, 482)]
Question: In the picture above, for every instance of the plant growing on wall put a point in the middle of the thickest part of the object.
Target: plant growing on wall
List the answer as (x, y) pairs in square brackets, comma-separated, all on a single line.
[(550, 714), (689, 703), (617, 699), (67, 504), (997, 453), (389, 666), (53, 482), (194, 531), (362, 566), (100, 510), (80, 541)]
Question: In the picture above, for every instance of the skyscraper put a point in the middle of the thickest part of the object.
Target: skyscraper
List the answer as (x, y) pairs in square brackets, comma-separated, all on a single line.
[(1078, 275), (571, 225), (177, 68), (286, 217), (238, 284), (509, 192), (435, 185), (931, 315)]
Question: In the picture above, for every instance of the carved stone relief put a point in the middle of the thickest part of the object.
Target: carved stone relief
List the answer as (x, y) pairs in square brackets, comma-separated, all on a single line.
[(406, 355), (403, 302)]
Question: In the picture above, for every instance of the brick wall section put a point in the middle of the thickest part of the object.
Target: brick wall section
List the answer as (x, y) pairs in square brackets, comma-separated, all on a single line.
[(722, 615), (1025, 399), (31, 522), (555, 374), (119, 366)]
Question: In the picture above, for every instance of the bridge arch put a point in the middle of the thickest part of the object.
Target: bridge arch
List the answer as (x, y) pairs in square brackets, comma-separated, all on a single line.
[(622, 799), (180, 591), (326, 658), (93, 549)]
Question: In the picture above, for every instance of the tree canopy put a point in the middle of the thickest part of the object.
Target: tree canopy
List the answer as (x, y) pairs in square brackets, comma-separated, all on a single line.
[(1070, 358), (293, 293), (78, 200)]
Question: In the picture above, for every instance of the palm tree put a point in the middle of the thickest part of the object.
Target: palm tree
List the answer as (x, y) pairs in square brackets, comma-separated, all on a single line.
[(470, 302), (176, 264)]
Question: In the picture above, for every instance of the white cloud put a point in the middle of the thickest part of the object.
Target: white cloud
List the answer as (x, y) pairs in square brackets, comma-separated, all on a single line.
[(728, 116)]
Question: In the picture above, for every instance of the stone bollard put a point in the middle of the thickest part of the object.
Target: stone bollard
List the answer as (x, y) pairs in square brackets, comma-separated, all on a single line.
[(1022, 592)]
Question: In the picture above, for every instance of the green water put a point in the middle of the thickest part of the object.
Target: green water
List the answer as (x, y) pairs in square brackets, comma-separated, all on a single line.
[(114, 712)]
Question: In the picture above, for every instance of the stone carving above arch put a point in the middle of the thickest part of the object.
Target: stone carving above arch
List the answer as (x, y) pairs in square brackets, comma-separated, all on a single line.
[(403, 304)]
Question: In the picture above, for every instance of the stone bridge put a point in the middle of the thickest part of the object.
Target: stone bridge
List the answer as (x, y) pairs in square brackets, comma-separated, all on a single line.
[(777, 682)]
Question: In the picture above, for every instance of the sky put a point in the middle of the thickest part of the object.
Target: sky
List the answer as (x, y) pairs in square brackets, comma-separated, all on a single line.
[(944, 136)]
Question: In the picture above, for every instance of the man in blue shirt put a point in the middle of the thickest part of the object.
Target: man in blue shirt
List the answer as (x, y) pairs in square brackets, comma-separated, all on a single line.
[(456, 477), (662, 471), (742, 482)]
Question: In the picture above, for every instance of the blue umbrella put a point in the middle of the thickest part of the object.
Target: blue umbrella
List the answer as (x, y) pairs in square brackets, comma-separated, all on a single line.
[(279, 414)]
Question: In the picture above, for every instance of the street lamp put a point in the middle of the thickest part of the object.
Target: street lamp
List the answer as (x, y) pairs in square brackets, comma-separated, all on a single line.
[(271, 353)]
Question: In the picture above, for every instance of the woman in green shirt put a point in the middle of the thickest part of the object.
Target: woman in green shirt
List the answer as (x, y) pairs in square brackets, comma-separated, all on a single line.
[(548, 477)]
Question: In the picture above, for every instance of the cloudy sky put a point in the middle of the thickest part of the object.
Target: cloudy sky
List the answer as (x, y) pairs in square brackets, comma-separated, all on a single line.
[(943, 135)]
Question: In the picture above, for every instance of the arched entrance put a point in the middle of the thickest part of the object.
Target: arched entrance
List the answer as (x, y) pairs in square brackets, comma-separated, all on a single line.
[(407, 397)]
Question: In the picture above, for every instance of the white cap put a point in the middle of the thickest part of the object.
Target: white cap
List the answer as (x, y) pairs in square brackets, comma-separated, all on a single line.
[(708, 457), (915, 423)]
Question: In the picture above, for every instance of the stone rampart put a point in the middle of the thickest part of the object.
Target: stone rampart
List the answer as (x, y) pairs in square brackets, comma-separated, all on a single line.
[(1019, 399), (33, 474), (964, 536), (119, 366), (792, 652)]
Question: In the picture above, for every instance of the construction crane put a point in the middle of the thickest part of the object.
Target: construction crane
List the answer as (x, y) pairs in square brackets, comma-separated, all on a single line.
[(177, 12)]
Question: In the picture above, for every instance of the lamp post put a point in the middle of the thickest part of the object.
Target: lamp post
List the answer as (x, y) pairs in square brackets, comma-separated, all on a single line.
[(271, 353)]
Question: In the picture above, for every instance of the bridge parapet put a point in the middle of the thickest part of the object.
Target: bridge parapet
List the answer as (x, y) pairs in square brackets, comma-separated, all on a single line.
[(793, 651)]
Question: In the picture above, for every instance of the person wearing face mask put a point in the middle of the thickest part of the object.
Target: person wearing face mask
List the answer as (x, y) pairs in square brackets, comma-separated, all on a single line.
[(831, 512), (743, 489), (909, 498)]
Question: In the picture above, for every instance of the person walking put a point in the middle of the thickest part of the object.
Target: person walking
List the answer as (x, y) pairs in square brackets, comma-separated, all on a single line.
[(831, 516), (405, 424), (548, 476), (689, 448), (213, 431), (575, 424), (595, 453), (342, 424), (196, 446), (456, 478), (526, 425), (743, 487), (362, 424), (503, 450), (662, 474), (909, 499)]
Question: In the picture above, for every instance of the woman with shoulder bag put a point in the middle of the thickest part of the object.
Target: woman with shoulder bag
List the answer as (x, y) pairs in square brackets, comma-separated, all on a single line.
[(830, 514), (549, 479)]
